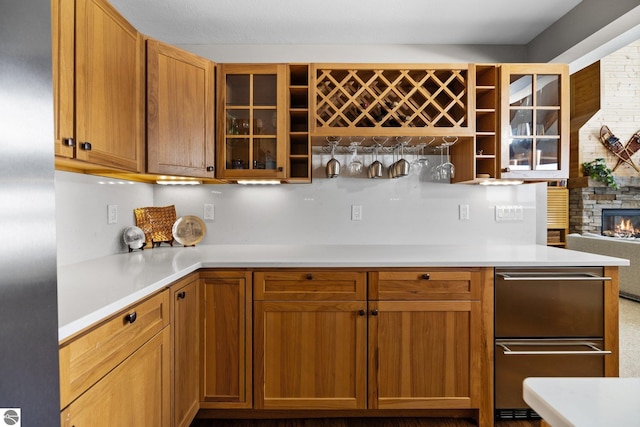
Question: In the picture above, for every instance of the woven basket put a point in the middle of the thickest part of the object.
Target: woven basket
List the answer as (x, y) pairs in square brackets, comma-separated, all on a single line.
[(156, 223)]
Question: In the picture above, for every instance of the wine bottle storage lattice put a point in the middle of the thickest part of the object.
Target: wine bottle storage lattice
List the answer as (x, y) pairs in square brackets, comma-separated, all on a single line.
[(413, 98)]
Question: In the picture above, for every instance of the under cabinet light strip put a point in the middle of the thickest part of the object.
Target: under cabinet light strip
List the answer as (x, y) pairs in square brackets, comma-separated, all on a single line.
[(178, 182), (259, 182)]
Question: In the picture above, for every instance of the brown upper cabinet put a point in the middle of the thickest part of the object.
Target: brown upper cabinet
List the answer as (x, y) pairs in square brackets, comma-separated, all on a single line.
[(180, 112), (251, 120), (391, 100), (98, 75), (534, 109)]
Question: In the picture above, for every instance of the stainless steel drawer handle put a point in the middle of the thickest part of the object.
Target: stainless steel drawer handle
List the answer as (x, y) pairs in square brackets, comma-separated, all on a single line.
[(593, 349), (554, 277)]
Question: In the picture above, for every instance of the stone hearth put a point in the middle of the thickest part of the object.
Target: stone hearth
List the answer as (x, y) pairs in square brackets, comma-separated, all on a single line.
[(587, 199)]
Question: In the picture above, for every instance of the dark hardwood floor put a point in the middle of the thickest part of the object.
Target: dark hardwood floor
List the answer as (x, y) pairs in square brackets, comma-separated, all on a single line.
[(359, 422)]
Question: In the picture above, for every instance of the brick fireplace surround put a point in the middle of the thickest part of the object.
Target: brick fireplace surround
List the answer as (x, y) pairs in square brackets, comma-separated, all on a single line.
[(587, 202)]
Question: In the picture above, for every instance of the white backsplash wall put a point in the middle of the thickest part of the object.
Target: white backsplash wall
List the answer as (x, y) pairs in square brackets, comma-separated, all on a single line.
[(399, 211), (81, 214), (395, 211)]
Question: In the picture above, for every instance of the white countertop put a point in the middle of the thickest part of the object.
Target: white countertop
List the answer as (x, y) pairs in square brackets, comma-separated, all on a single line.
[(93, 290), (585, 402)]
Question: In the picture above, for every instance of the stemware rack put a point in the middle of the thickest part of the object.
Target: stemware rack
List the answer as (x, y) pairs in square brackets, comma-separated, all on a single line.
[(430, 145), (400, 146)]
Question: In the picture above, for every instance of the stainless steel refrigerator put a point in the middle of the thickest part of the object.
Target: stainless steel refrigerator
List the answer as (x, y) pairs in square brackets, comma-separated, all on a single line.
[(28, 299)]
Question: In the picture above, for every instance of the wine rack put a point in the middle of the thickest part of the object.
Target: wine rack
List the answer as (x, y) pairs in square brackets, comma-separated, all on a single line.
[(487, 110), (378, 100), (299, 139)]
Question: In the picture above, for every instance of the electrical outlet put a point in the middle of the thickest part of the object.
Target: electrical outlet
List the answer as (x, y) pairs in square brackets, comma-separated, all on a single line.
[(356, 212), (112, 214), (464, 212), (209, 213)]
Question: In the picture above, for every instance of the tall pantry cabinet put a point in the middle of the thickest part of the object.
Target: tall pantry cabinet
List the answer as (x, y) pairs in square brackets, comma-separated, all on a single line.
[(98, 75)]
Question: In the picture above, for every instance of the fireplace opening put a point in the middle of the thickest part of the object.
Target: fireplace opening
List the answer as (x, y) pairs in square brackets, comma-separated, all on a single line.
[(622, 223)]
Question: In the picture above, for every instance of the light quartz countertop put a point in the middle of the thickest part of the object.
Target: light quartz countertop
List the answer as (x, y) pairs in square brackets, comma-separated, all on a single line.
[(585, 402), (93, 290)]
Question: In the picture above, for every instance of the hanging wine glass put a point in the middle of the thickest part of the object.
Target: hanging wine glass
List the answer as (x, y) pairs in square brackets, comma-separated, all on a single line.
[(448, 167), (333, 165), (376, 167), (355, 166)]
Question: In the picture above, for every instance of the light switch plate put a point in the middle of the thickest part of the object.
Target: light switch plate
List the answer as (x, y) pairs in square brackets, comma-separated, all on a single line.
[(463, 212), (356, 212), (209, 212), (112, 214), (509, 213)]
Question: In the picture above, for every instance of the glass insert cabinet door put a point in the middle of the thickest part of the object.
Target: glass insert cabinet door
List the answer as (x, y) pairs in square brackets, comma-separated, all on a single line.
[(251, 106), (535, 121)]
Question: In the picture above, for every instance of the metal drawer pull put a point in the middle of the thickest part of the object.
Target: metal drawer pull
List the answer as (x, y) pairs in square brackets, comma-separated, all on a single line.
[(569, 276), (594, 350)]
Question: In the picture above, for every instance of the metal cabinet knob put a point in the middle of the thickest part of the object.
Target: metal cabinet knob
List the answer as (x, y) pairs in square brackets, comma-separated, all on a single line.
[(68, 142), (210, 169), (426, 277), (131, 317), (361, 313), (85, 146), (309, 276), (374, 312), (182, 295)]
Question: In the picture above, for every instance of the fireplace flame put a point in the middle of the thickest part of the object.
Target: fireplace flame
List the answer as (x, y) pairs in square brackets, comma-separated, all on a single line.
[(625, 225), (625, 228)]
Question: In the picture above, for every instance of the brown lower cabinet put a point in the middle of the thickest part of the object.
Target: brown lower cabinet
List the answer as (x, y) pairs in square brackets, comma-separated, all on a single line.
[(310, 335), (185, 323), (120, 369), (418, 342), (250, 343), (226, 361)]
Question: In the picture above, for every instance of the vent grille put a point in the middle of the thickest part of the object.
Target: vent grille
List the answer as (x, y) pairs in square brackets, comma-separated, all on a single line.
[(517, 414)]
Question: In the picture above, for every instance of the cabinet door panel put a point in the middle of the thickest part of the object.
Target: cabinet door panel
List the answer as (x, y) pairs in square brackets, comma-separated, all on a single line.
[(535, 121), (310, 355), (63, 19), (420, 354), (109, 87), (186, 351), (251, 107), (226, 336), (180, 119), (137, 390)]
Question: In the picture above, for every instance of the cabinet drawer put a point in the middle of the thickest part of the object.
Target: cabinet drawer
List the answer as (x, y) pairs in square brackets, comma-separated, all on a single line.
[(87, 358), (315, 285), (427, 284)]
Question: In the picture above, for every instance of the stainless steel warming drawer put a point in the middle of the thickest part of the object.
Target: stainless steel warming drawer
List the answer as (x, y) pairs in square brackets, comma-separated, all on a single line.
[(549, 322)]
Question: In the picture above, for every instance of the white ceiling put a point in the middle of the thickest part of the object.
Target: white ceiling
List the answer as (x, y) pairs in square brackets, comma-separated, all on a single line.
[(480, 22)]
